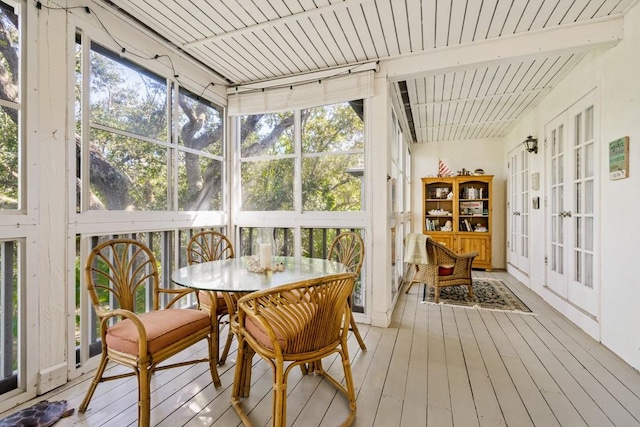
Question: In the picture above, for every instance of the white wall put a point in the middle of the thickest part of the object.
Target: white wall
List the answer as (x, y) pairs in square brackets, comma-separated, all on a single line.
[(613, 74), (479, 154)]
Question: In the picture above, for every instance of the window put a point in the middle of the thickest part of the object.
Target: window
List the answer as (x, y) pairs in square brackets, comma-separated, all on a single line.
[(134, 161), (332, 157), (324, 168), (10, 144), (200, 154)]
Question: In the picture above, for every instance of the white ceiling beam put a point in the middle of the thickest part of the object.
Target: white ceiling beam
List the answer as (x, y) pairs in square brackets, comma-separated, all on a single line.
[(479, 98), (572, 38), (491, 122), (280, 21)]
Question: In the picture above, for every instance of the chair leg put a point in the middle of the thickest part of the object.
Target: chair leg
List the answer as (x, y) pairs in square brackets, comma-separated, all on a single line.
[(356, 332), (348, 379), (470, 290), (213, 360), (94, 383), (412, 277), (240, 378), (144, 395), (227, 347), (279, 396), (238, 374)]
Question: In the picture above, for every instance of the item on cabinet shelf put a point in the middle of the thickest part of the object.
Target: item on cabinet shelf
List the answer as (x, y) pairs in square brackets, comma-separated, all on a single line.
[(478, 172), (470, 208), (439, 212), (443, 170), (448, 226), (473, 193), (480, 228)]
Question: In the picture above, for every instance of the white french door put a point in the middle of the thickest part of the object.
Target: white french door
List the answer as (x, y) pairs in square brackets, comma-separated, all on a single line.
[(571, 207), (518, 209)]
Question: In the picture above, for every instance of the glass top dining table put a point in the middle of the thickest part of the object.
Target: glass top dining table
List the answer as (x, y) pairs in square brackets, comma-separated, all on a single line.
[(233, 275)]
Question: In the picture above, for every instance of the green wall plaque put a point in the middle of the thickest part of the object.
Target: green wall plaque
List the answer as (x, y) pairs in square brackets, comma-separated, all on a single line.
[(619, 158)]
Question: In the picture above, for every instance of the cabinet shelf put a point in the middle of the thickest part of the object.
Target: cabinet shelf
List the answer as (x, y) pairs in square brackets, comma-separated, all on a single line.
[(467, 199)]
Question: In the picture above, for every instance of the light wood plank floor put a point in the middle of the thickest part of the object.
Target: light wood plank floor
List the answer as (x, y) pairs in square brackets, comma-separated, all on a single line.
[(434, 366)]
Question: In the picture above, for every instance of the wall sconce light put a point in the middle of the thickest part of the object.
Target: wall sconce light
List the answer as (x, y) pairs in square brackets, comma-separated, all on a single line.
[(532, 144)]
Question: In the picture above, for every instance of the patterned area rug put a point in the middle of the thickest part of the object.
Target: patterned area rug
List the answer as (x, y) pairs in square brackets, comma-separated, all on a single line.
[(487, 294)]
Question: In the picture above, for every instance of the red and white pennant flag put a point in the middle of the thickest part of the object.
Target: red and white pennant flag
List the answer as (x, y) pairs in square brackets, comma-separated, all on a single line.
[(443, 170)]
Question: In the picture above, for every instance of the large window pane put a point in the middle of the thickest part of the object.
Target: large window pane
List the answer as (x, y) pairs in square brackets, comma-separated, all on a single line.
[(199, 183), (9, 159), (127, 97), (266, 134), (267, 185), (332, 183), (9, 316), (332, 128), (200, 170), (9, 114), (200, 124), (127, 173)]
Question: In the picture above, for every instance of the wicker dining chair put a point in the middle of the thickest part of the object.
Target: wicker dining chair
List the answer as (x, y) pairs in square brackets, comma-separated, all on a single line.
[(117, 273), (348, 249), (212, 246), (444, 268), (291, 325)]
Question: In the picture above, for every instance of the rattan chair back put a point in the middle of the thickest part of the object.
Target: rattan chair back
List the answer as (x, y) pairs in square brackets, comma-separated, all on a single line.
[(208, 246), (348, 249)]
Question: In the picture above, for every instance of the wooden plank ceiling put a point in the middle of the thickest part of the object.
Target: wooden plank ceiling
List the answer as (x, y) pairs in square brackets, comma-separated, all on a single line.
[(249, 41)]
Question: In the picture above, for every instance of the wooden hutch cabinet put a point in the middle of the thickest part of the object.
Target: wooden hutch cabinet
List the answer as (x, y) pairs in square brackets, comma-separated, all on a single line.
[(457, 212)]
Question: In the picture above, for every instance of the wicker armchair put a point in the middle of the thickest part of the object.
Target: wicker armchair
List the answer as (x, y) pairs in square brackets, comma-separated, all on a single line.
[(116, 274), (444, 268), (348, 249), (289, 326), (211, 246)]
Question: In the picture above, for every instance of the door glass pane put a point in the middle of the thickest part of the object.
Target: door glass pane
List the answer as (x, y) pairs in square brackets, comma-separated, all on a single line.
[(554, 174), (561, 198), (554, 264), (554, 202), (554, 230), (560, 265), (578, 201), (588, 197), (588, 233), (560, 139), (560, 230), (578, 232), (560, 169), (588, 270), (588, 160), (554, 142), (588, 124), (578, 130), (578, 163), (578, 266)]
